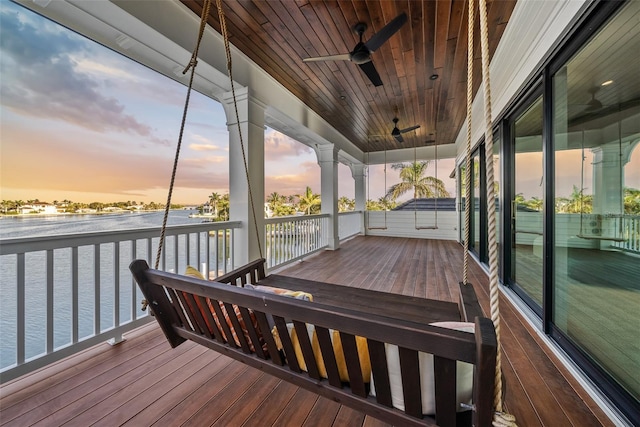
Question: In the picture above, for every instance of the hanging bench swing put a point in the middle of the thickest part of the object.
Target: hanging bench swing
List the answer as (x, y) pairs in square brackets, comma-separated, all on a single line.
[(404, 360)]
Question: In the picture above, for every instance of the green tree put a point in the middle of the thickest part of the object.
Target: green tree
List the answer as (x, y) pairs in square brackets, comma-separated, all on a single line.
[(214, 200), (413, 176), (577, 202), (535, 203), (309, 202), (386, 204), (346, 204), (631, 201), (275, 200), (373, 205), (223, 208)]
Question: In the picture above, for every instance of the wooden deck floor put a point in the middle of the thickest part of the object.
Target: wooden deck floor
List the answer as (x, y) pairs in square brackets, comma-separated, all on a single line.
[(143, 382)]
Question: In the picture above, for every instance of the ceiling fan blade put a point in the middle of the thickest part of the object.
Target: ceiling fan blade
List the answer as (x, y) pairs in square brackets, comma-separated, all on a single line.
[(399, 138), (341, 57), (371, 72), (405, 130), (386, 32)]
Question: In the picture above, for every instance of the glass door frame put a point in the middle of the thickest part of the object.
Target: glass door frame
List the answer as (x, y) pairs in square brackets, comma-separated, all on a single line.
[(508, 194)]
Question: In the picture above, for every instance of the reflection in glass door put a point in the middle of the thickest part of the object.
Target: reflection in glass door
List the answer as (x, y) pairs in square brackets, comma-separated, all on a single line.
[(526, 269), (596, 264), (462, 194), (476, 204)]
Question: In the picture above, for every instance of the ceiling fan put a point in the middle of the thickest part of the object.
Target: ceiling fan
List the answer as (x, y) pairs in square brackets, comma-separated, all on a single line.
[(593, 105), (397, 133), (361, 53)]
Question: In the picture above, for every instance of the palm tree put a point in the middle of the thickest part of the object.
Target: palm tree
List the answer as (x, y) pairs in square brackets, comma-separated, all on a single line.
[(535, 203), (413, 176), (386, 203), (632, 201), (214, 199), (223, 211), (578, 202), (346, 204), (309, 202)]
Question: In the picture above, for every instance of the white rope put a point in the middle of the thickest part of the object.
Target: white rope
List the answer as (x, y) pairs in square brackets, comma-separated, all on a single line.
[(500, 418), (467, 194)]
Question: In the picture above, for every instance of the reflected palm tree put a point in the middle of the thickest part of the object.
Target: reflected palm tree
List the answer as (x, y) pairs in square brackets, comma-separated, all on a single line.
[(413, 176)]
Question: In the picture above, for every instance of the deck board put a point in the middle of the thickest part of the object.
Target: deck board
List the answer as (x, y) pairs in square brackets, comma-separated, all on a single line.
[(143, 382)]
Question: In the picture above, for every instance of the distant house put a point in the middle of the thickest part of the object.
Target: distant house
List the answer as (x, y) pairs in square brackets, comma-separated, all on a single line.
[(112, 209), (207, 209), (40, 208), (431, 204)]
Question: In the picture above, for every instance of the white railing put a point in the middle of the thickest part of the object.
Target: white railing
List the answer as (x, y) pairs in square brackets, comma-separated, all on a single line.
[(630, 234), (349, 224), (290, 238), (63, 294)]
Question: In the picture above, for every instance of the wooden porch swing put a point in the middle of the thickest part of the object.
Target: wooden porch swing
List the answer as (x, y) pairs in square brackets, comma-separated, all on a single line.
[(404, 360)]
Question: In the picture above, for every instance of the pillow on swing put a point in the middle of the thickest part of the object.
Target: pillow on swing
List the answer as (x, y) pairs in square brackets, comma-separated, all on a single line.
[(305, 296), (193, 272), (464, 375), (361, 345)]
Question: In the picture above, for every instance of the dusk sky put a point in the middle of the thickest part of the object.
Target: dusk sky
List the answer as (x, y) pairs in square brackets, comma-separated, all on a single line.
[(83, 123)]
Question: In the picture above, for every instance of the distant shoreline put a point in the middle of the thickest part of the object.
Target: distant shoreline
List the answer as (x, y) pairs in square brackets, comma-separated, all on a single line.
[(41, 215)]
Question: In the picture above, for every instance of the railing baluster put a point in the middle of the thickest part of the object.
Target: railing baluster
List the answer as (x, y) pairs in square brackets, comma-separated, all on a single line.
[(134, 286), (75, 317), (21, 321), (176, 263), (50, 308), (96, 291), (116, 284)]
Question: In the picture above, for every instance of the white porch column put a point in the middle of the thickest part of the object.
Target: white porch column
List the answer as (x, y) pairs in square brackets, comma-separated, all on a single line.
[(358, 172), (608, 179), (251, 123), (608, 186), (328, 161)]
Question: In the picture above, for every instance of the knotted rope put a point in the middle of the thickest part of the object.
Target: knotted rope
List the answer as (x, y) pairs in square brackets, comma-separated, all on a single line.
[(500, 418), (227, 49), (467, 194), (192, 65)]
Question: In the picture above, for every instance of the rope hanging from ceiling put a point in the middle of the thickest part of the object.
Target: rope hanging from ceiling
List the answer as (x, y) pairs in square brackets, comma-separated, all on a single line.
[(192, 66), (500, 418), (227, 49)]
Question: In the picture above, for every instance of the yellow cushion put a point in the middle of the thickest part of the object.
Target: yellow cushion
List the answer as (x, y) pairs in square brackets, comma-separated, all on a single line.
[(305, 296), (193, 272), (361, 344)]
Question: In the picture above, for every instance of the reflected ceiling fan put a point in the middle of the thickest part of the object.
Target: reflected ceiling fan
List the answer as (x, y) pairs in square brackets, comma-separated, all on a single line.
[(593, 105), (361, 53), (397, 133)]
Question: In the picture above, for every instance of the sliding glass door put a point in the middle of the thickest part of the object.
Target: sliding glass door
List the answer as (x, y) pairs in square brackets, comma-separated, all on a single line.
[(596, 218), (525, 272)]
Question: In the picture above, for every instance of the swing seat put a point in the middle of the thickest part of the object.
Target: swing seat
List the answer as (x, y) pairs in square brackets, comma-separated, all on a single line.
[(333, 345)]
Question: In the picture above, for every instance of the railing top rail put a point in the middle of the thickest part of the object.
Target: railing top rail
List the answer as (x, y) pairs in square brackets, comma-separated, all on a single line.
[(349, 212), (289, 218), (41, 243)]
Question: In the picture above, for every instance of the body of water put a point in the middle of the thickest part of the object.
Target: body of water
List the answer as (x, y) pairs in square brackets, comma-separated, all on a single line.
[(122, 290), (55, 225)]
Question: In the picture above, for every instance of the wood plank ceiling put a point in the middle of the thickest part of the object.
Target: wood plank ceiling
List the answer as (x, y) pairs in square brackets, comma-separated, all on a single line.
[(278, 34)]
